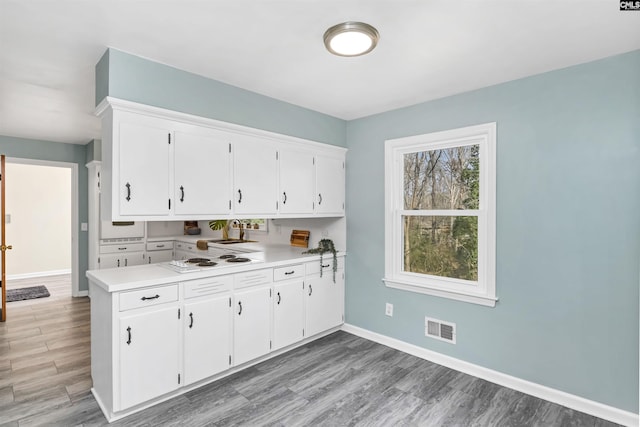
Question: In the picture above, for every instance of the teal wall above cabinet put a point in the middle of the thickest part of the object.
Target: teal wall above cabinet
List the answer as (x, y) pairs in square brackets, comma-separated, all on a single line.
[(125, 76)]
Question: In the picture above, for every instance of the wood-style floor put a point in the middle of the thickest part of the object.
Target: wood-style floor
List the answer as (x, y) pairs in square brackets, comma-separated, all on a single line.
[(339, 380)]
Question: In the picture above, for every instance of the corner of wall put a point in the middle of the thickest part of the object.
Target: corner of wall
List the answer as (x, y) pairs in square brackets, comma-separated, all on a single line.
[(102, 77)]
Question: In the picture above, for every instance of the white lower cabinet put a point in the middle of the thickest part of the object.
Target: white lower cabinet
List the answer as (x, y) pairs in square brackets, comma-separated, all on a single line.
[(159, 256), (149, 343), (207, 337), (288, 305), (149, 353), (161, 251), (324, 300), (251, 324), (124, 255)]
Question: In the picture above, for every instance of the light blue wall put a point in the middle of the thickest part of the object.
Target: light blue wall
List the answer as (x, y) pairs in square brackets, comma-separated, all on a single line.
[(136, 79), (568, 233), (58, 152)]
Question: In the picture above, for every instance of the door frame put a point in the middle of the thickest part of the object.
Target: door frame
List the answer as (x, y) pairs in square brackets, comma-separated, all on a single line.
[(75, 226)]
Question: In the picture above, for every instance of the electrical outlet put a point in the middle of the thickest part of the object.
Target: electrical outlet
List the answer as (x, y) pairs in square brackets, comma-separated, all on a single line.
[(389, 310)]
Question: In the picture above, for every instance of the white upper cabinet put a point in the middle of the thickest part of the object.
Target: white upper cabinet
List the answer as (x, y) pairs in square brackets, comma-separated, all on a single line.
[(202, 172), (297, 179), (330, 185), (255, 169), (164, 165), (143, 160)]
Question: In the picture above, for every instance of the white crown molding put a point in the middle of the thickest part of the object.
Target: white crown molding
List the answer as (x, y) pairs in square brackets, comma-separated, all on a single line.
[(572, 401)]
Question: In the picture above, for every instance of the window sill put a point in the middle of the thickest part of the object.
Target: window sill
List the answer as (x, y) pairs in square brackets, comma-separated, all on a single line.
[(422, 289)]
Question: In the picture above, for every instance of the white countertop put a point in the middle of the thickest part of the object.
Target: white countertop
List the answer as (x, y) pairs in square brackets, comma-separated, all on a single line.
[(140, 276)]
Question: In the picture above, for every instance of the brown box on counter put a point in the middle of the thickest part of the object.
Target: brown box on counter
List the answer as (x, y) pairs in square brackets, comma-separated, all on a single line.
[(300, 238)]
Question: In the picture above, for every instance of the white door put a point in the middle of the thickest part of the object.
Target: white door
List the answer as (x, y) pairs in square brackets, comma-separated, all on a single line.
[(325, 302), (202, 163), (149, 356), (296, 182), (207, 336), (329, 185), (255, 176), (288, 314), (251, 325), (3, 246), (144, 168)]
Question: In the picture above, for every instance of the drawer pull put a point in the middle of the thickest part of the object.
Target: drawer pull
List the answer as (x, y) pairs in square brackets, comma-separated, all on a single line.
[(159, 246), (122, 249), (310, 289), (289, 272), (129, 333), (191, 317), (148, 298), (240, 310), (279, 298), (325, 265)]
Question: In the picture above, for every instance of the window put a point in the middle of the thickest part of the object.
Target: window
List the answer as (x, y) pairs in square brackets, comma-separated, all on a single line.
[(440, 214)]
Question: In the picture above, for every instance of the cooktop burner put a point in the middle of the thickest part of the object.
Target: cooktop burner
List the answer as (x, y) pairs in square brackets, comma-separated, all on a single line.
[(238, 259), (207, 264), (227, 256), (197, 260)]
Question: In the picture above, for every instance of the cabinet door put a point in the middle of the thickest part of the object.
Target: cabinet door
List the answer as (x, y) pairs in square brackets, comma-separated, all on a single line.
[(255, 176), (149, 356), (207, 337), (325, 302), (251, 325), (296, 182), (110, 261), (143, 182), (132, 258), (288, 315), (154, 257), (202, 163), (329, 185)]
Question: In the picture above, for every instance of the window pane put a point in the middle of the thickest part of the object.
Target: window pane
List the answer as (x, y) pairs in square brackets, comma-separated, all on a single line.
[(442, 179), (444, 246)]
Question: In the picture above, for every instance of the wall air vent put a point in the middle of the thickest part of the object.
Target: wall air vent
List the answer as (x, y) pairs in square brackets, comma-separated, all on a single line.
[(444, 331)]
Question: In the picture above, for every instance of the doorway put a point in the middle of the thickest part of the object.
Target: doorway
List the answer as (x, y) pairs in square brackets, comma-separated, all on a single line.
[(42, 225)]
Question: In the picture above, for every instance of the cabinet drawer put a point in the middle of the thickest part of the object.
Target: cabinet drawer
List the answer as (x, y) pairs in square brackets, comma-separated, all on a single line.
[(327, 265), (186, 246), (208, 286), (160, 246), (125, 247), (148, 297), (288, 272), (253, 278)]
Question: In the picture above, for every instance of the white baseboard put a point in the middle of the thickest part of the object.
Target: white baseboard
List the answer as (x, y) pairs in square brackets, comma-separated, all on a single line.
[(552, 395), (84, 293), (38, 274)]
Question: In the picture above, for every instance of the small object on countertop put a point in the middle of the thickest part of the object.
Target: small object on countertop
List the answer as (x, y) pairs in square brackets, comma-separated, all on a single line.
[(188, 225), (193, 231), (326, 245), (300, 238), (202, 244)]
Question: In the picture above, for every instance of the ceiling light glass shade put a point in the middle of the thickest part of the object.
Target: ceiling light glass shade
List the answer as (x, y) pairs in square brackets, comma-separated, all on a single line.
[(351, 39)]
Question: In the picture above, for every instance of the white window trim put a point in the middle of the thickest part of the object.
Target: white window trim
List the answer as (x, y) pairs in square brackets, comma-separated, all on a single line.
[(483, 291)]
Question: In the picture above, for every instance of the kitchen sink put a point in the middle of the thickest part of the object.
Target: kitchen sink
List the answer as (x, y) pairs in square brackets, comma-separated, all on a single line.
[(230, 241)]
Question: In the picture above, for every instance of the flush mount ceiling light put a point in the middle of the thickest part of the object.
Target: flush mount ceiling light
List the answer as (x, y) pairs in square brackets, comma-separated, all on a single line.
[(351, 39)]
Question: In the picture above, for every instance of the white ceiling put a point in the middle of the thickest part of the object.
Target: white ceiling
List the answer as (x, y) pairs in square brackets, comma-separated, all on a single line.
[(428, 49)]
